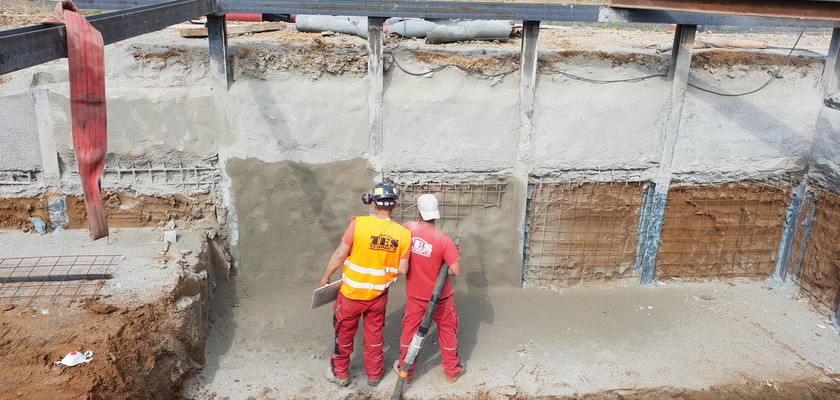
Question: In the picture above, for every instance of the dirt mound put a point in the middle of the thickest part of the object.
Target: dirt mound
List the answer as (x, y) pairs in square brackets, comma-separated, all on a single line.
[(311, 56), (140, 352)]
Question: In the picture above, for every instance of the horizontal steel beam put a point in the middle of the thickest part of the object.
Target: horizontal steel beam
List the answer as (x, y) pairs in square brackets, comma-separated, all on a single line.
[(628, 15), (527, 11), (820, 10), (25, 47), (33, 45), (686, 12)]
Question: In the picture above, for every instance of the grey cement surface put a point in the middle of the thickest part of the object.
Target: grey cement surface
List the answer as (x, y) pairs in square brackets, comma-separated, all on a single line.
[(141, 273), (161, 104), (297, 119), (266, 342), (20, 150), (609, 130), (529, 343), (748, 135), (825, 152), (460, 119)]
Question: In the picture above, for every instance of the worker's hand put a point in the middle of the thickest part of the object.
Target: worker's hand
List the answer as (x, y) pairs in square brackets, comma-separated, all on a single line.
[(324, 281)]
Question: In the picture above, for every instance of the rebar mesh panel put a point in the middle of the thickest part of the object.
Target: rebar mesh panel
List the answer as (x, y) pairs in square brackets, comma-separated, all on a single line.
[(722, 231), (457, 202), (14, 178), (800, 238), (582, 232), (820, 275), (190, 178), (53, 278)]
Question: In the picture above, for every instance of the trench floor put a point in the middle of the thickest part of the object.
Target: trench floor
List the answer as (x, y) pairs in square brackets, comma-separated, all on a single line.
[(738, 339)]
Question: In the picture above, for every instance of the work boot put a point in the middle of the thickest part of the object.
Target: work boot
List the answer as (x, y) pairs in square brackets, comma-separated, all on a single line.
[(397, 371), (374, 382), (332, 378), (451, 380)]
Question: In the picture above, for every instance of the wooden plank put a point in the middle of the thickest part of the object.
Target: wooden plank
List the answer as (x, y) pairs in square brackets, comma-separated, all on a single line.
[(200, 31)]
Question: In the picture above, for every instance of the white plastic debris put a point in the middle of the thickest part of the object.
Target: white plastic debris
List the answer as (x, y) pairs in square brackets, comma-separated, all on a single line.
[(821, 326), (170, 236), (74, 358)]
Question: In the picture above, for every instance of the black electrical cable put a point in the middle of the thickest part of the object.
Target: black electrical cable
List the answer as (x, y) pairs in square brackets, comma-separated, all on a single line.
[(773, 76), (601, 82), (441, 67)]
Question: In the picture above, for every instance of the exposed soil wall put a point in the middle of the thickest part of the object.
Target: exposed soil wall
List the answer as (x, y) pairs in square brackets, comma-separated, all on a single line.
[(583, 233), (819, 274), (124, 210), (724, 231), (143, 348)]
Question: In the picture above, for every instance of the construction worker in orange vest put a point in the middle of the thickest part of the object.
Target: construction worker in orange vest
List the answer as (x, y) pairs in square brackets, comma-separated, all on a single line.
[(373, 251)]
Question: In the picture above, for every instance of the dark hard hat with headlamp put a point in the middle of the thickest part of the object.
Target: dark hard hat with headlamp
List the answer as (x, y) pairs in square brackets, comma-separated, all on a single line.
[(383, 194)]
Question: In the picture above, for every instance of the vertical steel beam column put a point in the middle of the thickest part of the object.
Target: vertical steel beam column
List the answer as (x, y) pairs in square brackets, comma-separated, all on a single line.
[(681, 54), (809, 227), (789, 233), (528, 69), (658, 199), (831, 71), (526, 237), (527, 94), (220, 65), (49, 156), (644, 221), (376, 90)]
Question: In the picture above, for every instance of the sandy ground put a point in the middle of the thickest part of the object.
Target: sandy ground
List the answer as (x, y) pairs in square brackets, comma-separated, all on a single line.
[(533, 343), (146, 327), (676, 339)]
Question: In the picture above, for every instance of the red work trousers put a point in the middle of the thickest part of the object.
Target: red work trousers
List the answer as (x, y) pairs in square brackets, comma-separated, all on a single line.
[(346, 323), (446, 319)]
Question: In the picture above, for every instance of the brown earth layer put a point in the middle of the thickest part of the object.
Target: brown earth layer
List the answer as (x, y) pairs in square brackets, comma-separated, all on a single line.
[(139, 351), (124, 210)]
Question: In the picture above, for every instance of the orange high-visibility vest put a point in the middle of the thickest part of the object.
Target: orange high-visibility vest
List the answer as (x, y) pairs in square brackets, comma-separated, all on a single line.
[(378, 246)]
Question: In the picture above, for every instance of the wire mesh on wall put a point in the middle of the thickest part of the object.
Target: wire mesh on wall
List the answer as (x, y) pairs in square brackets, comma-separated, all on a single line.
[(457, 202), (189, 177), (582, 231), (819, 279), (723, 231)]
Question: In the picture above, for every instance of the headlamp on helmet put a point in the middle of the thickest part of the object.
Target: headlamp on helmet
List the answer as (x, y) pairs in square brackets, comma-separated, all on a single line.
[(383, 194)]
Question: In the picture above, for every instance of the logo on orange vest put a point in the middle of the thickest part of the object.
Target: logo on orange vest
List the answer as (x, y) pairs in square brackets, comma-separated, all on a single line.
[(384, 243), (421, 247)]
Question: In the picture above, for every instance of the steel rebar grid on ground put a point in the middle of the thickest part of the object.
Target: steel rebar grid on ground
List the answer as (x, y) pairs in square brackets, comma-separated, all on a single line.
[(54, 277), (456, 201), (819, 279), (582, 231), (732, 230)]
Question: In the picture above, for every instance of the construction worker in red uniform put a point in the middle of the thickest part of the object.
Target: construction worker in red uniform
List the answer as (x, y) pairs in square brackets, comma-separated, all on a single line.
[(430, 248), (373, 251)]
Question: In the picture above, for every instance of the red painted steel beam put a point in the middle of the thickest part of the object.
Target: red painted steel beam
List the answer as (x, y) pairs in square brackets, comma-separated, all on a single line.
[(813, 10)]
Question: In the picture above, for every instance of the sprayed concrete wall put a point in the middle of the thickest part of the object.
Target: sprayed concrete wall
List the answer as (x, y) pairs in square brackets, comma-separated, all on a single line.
[(581, 126), (277, 124)]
